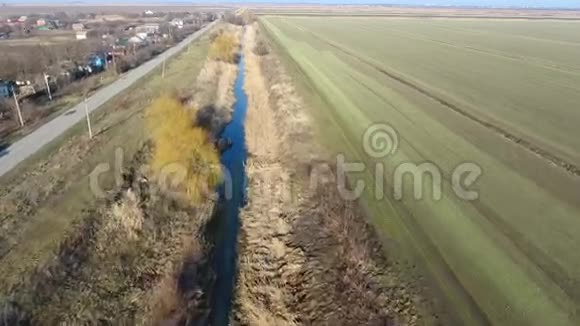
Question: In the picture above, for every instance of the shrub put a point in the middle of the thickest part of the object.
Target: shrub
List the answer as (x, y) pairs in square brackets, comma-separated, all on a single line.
[(242, 18), (215, 34), (5, 109), (232, 18), (123, 64), (224, 48), (182, 151), (261, 48)]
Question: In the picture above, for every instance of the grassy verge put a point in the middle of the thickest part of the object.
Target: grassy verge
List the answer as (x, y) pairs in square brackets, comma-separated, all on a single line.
[(132, 250), (48, 194)]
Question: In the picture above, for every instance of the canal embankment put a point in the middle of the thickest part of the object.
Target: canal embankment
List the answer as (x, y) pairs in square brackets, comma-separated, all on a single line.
[(306, 256)]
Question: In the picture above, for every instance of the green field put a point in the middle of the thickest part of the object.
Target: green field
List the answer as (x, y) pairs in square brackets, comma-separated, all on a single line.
[(502, 94)]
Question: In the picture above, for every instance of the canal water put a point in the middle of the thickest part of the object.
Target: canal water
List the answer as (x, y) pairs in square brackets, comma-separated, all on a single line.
[(232, 198)]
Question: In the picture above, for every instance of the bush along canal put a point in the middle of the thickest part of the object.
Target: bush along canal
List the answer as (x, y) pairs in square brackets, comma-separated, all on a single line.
[(232, 198)]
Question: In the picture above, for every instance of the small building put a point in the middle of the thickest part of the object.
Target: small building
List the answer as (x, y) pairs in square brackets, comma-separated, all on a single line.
[(22, 19), (149, 13), (98, 61), (151, 28), (121, 42), (82, 35), (136, 40), (177, 23), (78, 27), (6, 88), (56, 23), (41, 22)]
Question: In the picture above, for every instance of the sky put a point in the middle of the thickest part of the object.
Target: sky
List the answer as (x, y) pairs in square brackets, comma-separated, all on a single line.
[(484, 3)]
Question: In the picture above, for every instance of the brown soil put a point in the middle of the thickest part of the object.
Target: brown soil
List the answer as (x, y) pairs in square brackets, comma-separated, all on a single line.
[(306, 256)]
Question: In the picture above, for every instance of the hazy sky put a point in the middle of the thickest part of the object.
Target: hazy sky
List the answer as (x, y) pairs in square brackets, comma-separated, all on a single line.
[(495, 3)]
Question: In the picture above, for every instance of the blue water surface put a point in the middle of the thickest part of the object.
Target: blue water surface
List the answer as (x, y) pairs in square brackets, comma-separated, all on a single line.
[(231, 201)]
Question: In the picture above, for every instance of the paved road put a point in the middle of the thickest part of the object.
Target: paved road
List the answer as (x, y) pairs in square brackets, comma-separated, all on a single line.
[(23, 148)]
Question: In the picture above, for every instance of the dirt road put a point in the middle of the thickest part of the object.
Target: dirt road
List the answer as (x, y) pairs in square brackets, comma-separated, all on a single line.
[(25, 147)]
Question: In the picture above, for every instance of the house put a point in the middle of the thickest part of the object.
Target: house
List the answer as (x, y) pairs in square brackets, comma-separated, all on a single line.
[(25, 89), (22, 19), (149, 13), (177, 23), (130, 28), (6, 88), (151, 28), (81, 35), (121, 42), (136, 40), (41, 22), (13, 21), (53, 24), (97, 62), (78, 27)]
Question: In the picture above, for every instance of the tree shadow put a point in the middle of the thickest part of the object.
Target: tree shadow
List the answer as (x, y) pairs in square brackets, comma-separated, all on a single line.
[(4, 149), (212, 119)]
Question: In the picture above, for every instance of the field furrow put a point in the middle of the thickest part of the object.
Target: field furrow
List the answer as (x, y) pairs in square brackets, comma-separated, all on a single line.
[(454, 100), (525, 96)]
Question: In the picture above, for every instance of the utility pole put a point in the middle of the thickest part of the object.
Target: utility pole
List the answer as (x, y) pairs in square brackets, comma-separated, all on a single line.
[(114, 62), (88, 118), (17, 108), (47, 86), (164, 60)]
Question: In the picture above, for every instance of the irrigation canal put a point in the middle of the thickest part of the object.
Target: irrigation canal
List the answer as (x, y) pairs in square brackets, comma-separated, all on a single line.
[(232, 199)]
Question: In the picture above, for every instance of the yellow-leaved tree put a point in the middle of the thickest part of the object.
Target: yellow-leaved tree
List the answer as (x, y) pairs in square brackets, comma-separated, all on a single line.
[(184, 157), (224, 47)]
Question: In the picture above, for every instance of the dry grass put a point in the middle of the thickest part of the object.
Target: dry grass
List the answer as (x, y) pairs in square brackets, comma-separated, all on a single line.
[(214, 92), (224, 48), (129, 263), (42, 198), (117, 261), (306, 256), (260, 121), (267, 262), (166, 299), (124, 262), (123, 223)]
